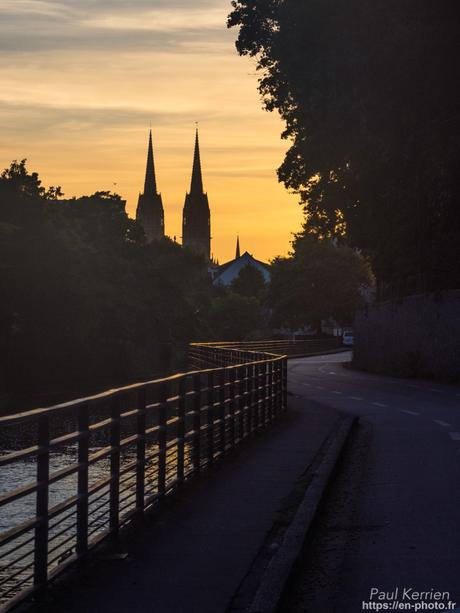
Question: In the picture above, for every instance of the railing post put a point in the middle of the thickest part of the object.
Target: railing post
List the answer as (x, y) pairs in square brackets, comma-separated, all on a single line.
[(197, 422), (241, 401), (181, 410), (285, 388), (162, 438), (257, 395), (222, 424), (271, 406), (115, 465), (82, 485), (277, 384), (140, 450), (250, 397), (210, 418), (232, 377), (264, 393), (41, 530)]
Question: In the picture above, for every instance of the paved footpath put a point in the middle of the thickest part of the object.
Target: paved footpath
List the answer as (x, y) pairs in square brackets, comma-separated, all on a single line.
[(192, 557)]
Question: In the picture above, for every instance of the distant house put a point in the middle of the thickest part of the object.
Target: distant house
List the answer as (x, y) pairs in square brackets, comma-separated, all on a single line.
[(225, 274)]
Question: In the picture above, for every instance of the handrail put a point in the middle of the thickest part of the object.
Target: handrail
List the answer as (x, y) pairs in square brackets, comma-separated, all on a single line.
[(95, 463)]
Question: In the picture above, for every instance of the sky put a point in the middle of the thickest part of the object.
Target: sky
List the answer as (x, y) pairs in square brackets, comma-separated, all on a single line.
[(82, 80)]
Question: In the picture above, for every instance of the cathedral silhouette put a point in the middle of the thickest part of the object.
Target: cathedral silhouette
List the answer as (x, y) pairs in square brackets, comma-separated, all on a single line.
[(196, 220)]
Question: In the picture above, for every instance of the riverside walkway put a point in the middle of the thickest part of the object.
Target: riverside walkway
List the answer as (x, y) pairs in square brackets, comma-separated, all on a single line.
[(193, 556), (199, 469)]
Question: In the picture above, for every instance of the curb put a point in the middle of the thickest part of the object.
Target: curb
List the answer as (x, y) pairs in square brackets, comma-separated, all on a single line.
[(276, 575)]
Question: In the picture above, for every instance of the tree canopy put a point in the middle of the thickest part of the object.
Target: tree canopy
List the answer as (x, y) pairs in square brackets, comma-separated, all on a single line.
[(368, 91), (85, 302), (318, 281)]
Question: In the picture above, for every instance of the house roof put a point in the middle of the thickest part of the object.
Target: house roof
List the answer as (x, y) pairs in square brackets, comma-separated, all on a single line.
[(229, 271)]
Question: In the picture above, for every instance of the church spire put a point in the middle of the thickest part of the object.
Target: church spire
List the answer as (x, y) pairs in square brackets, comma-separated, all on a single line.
[(150, 185), (196, 219), (196, 186), (238, 253), (150, 213)]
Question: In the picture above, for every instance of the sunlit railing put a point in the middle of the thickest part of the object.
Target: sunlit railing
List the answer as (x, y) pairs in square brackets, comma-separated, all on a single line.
[(203, 355), (74, 473)]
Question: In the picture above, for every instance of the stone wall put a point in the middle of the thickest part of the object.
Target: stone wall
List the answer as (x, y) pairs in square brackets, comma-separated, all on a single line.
[(416, 336)]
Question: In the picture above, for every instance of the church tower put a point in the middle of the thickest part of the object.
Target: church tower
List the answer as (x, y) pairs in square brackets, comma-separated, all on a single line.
[(150, 212), (196, 224)]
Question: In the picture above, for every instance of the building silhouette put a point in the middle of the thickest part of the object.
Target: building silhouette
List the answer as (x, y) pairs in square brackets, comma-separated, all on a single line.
[(150, 213), (229, 272), (196, 220)]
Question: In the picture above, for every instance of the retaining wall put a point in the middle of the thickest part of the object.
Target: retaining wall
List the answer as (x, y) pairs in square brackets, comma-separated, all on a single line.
[(416, 336)]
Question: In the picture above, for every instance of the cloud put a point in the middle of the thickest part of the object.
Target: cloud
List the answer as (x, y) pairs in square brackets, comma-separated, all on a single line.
[(166, 19), (36, 25), (19, 8)]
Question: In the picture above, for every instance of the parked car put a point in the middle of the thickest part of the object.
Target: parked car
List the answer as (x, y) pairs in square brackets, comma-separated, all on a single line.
[(348, 338)]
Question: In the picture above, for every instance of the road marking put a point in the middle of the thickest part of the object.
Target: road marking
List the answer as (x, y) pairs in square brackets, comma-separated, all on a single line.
[(444, 424), (338, 393), (409, 412), (354, 398), (318, 387), (455, 436), (380, 404), (332, 373), (306, 384), (413, 386), (433, 389)]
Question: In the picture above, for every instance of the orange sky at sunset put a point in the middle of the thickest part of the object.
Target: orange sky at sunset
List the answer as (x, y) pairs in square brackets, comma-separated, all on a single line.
[(82, 80)]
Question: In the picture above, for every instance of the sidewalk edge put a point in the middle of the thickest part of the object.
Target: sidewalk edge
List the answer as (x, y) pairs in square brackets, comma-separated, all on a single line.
[(276, 575)]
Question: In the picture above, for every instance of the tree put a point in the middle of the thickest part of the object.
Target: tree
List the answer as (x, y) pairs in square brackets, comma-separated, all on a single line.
[(318, 281), (234, 317), (85, 302), (249, 282), (368, 93)]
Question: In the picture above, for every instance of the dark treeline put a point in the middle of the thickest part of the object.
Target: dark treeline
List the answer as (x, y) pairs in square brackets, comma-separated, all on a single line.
[(369, 92), (87, 304)]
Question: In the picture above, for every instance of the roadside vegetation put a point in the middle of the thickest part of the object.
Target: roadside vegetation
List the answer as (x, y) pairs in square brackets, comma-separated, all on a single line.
[(87, 304)]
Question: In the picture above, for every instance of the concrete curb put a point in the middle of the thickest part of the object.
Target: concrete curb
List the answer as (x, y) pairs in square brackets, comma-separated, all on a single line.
[(276, 575)]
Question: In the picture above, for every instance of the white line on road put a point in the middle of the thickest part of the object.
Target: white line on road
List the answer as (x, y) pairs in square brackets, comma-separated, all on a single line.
[(354, 398), (433, 389), (455, 436), (332, 373), (444, 424), (338, 393), (380, 404), (409, 412), (306, 384), (318, 387)]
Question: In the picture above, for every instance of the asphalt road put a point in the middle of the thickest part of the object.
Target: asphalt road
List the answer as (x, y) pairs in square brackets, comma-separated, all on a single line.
[(391, 518)]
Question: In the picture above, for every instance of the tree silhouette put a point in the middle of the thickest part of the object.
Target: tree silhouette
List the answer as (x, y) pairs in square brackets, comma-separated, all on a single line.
[(369, 95)]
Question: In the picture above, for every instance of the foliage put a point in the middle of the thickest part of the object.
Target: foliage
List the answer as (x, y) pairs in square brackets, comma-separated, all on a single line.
[(368, 91), (85, 302), (318, 281), (235, 317), (249, 282)]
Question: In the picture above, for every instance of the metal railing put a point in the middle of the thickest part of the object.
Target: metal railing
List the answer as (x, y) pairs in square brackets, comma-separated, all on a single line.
[(74, 473), (202, 355)]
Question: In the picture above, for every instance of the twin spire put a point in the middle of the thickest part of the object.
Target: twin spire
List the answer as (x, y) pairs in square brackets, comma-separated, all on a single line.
[(150, 185), (196, 186), (196, 215)]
